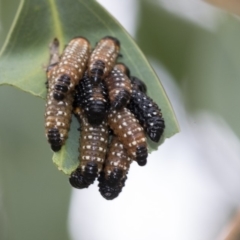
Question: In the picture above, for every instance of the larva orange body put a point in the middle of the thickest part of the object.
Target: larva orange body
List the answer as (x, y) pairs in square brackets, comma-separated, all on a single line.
[(71, 67), (119, 87), (103, 59), (127, 128), (114, 174), (93, 146), (57, 115)]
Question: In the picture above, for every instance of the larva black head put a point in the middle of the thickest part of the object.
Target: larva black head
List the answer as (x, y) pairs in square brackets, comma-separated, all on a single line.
[(155, 128), (61, 87), (116, 41), (115, 177), (54, 139), (77, 180), (121, 100), (138, 84), (141, 155), (107, 191), (90, 172), (96, 111)]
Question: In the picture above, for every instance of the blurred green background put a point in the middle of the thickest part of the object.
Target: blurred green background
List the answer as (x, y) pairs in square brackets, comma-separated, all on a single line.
[(34, 196)]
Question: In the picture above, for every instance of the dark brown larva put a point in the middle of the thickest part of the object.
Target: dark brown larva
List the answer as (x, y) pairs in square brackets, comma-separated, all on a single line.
[(119, 87), (71, 67), (92, 150), (146, 110), (93, 99), (103, 58), (57, 115), (126, 127), (115, 170), (138, 84)]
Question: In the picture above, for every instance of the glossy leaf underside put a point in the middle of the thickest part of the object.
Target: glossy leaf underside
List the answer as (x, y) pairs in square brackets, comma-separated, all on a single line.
[(25, 53)]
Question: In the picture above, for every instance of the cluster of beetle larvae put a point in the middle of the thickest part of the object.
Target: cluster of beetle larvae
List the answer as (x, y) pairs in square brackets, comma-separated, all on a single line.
[(112, 107)]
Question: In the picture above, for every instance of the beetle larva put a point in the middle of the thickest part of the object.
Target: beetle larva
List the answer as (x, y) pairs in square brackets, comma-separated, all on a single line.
[(109, 191), (138, 84), (92, 150), (103, 58), (119, 87), (93, 99), (126, 127), (146, 110), (57, 115), (71, 67), (116, 167)]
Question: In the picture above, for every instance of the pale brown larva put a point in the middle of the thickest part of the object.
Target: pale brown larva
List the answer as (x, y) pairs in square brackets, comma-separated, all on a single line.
[(71, 67), (92, 151), (57, 115), (103, 59), (116, 166), (127, 128), (119, 86)]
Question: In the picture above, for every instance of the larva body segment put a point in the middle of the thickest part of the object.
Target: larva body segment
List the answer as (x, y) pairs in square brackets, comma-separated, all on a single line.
[(126, 127), (103, 59), (123, 68), (71, 67), (57, 115), (109, 191), (138, 84), (146, 111), (119, 87), (92, 150), (93, 99), (115, 170)]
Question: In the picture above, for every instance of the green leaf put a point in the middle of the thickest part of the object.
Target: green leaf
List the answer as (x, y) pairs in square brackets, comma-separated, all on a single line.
[(25, 52)]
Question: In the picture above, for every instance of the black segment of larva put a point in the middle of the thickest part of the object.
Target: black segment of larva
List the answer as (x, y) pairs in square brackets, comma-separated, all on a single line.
[(93, 99), (103, 59), (147, 112), (138, 84), (57, 115), (115, 170), (71, 67), (119, 87), (127, 128), (92, 150), (107, 190)]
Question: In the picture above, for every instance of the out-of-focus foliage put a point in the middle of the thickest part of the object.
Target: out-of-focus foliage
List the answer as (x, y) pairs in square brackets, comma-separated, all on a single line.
[(205, 63), (229, 5)]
